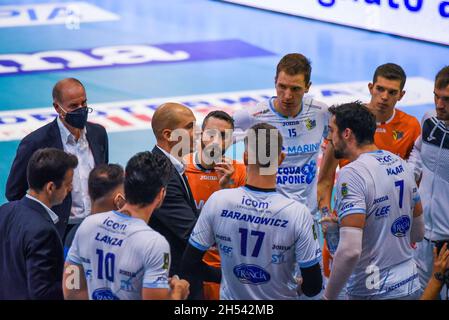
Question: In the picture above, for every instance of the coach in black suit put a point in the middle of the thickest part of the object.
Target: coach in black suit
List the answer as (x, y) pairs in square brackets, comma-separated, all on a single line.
[(31, 253), (177, 216), (67, 132)]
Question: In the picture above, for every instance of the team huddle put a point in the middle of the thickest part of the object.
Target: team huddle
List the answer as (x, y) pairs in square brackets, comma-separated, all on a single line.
[(186, 222)]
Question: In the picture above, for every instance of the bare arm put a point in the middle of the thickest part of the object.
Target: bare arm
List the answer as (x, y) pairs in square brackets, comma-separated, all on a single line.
[(326, 177), (74, 283), (440, 264)]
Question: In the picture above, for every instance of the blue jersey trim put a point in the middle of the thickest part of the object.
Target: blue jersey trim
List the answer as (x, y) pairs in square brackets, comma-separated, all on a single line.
[(122, 215), (71, 261), (271, 105), (197, 245), (351, 212), (310, 263), (156, 285)]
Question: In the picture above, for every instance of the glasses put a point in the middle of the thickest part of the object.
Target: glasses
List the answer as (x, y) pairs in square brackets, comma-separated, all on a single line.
[(89, 109)]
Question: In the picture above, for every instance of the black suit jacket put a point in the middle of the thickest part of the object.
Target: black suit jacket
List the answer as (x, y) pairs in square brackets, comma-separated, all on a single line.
[(31, 253), (49, 136), (175, 220)]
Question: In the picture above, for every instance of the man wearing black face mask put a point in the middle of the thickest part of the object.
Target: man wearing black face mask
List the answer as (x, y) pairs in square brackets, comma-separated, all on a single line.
[(70, 132)]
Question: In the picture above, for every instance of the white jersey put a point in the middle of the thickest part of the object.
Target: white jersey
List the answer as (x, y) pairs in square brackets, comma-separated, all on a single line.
[(430, 156), (120, 256), (303, 135), (261, 236), (382, 186)]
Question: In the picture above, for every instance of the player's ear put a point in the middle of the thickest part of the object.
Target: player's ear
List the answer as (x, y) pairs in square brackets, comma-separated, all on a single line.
[(166, 134), (161, 196), (370, 88), (308, 87), (401, 94)]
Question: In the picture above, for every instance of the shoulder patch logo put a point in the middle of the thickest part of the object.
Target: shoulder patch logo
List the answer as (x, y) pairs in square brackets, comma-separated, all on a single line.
[(344, 189), (397, 135), (310, 124)]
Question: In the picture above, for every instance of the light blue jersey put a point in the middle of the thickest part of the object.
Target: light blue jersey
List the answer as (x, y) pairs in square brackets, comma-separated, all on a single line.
[(120, 256), (302, 135), (261, 236), (381, 185)]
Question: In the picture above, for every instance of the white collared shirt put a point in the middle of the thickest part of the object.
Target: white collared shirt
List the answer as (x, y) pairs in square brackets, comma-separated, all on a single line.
[(50, 212), (179, 165), (81, 206)]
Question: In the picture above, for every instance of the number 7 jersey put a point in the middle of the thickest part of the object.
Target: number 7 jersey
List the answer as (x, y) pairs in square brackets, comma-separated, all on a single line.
[(261, 235), (380, 185)]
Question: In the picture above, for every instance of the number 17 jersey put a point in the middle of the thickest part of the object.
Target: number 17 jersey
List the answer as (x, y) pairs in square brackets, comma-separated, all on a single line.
[(260, 235)]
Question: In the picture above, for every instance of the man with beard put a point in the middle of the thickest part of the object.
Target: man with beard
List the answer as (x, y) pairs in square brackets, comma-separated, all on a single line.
[(209, 170), (379, 212), (430, 160), (396, 131), (173, 125)]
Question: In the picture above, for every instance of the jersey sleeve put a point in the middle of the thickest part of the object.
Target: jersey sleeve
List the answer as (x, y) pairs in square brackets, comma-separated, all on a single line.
[(307, 248), (326, 119), (202, 236), (415, 160), (351, 193), (243, 120), (157, 264)]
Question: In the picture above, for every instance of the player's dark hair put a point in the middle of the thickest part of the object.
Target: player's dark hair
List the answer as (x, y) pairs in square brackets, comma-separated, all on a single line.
[(260, 137), (145, 174), (293, 64), (218, 114), (358, 118), (104, 179), (442, 78), (391, 71), (49, 165)]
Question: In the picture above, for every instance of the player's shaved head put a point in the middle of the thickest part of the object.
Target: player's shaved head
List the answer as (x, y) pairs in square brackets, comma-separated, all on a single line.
[(64, 85), (169, 116)]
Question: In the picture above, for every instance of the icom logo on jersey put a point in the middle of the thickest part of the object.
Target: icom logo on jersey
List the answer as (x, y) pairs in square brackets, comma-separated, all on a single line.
[(251, 274), (400, 226), (104, 294), (255, 204), (111, 224)]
